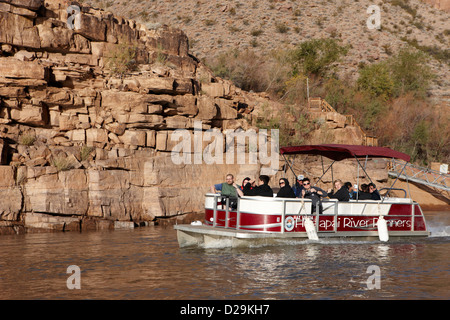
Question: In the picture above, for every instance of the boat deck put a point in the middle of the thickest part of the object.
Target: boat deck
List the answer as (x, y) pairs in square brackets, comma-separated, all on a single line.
[(210, 237)]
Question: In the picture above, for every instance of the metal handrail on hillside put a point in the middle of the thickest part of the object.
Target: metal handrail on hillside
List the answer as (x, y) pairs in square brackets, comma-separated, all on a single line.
[(425, 176)]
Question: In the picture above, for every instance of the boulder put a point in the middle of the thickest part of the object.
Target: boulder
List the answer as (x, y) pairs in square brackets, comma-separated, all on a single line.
[(31, 115), (225, 109), (3, 152), (54, 37), (50, 222), (5, 7), (92, 27), (120, 102), (168, 40), (207, 109), (18, 30), (178, 122), (13, 68), (141, 120), (156, 84), (96, 135), (135, 138), (28, 4), (116, 128)]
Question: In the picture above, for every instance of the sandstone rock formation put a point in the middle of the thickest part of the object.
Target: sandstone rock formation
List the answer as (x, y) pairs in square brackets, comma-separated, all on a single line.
[(82, 147)]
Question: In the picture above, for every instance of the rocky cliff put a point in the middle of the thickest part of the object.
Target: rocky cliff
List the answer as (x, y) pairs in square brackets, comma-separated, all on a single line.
[(85, 147), (82, 147)]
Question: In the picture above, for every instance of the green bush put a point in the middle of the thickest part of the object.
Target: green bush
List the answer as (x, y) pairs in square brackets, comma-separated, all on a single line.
[(377, 80), (406, 72), (410, 72), (316, 56)]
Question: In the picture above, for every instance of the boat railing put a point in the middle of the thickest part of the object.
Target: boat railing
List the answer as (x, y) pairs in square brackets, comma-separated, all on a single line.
[(392, 189), (298, 207), (304, 207)]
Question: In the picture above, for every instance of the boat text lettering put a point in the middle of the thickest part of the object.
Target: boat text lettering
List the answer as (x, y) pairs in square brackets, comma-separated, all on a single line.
[(327, 223)]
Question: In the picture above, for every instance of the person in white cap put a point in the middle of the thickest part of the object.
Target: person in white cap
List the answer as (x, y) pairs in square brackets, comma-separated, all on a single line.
[(298, 186)]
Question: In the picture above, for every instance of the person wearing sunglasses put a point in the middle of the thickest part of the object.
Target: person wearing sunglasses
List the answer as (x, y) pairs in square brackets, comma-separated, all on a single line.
[(313, 193), (285, 189)]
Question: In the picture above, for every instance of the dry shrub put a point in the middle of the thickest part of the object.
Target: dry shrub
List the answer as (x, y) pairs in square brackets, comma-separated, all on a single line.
[(416, 127), (246, 69)]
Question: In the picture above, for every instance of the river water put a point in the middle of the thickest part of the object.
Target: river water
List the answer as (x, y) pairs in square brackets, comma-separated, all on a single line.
[(146, 263)]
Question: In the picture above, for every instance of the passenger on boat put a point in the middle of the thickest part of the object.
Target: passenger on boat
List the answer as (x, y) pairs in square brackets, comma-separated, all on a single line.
[(244, 182), (342, 191), (263, 189), (227, 188), (285, 189), (364, 193), (313, 193), (351, 190), (375, 195), (298, 186)]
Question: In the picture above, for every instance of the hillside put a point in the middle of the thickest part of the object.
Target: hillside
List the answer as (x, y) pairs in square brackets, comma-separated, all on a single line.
[(217, 26)]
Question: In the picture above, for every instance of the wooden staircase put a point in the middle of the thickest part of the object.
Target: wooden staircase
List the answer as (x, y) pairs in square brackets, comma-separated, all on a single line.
[(320, 105)]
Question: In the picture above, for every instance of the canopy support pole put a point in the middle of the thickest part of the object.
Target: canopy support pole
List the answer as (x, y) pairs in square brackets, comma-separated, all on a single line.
[(290, 167), (359, 163), (357, 181), (326, 171), (392, 186)]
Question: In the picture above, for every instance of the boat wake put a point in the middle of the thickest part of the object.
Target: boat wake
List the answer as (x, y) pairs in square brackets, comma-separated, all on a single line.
[(439, 230)]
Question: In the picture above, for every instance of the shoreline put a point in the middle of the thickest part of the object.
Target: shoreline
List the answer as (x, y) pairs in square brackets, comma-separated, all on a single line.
[(18, 228)]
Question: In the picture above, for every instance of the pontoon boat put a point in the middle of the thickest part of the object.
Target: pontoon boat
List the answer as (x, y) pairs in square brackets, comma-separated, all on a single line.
[(263, 220)]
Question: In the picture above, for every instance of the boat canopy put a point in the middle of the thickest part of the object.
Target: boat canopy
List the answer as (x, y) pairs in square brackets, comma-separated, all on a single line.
[(340, 152)]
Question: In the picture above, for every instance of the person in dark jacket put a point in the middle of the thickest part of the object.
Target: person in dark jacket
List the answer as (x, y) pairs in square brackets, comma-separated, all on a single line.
[(263, 189), (298, 186), (313, 193), (375, 195), (244, 182), (364, 193), (285, 189), (342, 192)]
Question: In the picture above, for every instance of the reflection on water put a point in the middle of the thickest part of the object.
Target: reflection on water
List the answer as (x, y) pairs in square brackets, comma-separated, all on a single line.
[(146, 263)]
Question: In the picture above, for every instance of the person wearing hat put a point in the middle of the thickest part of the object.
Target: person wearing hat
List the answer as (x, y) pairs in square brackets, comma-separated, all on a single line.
[(298, 186)]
